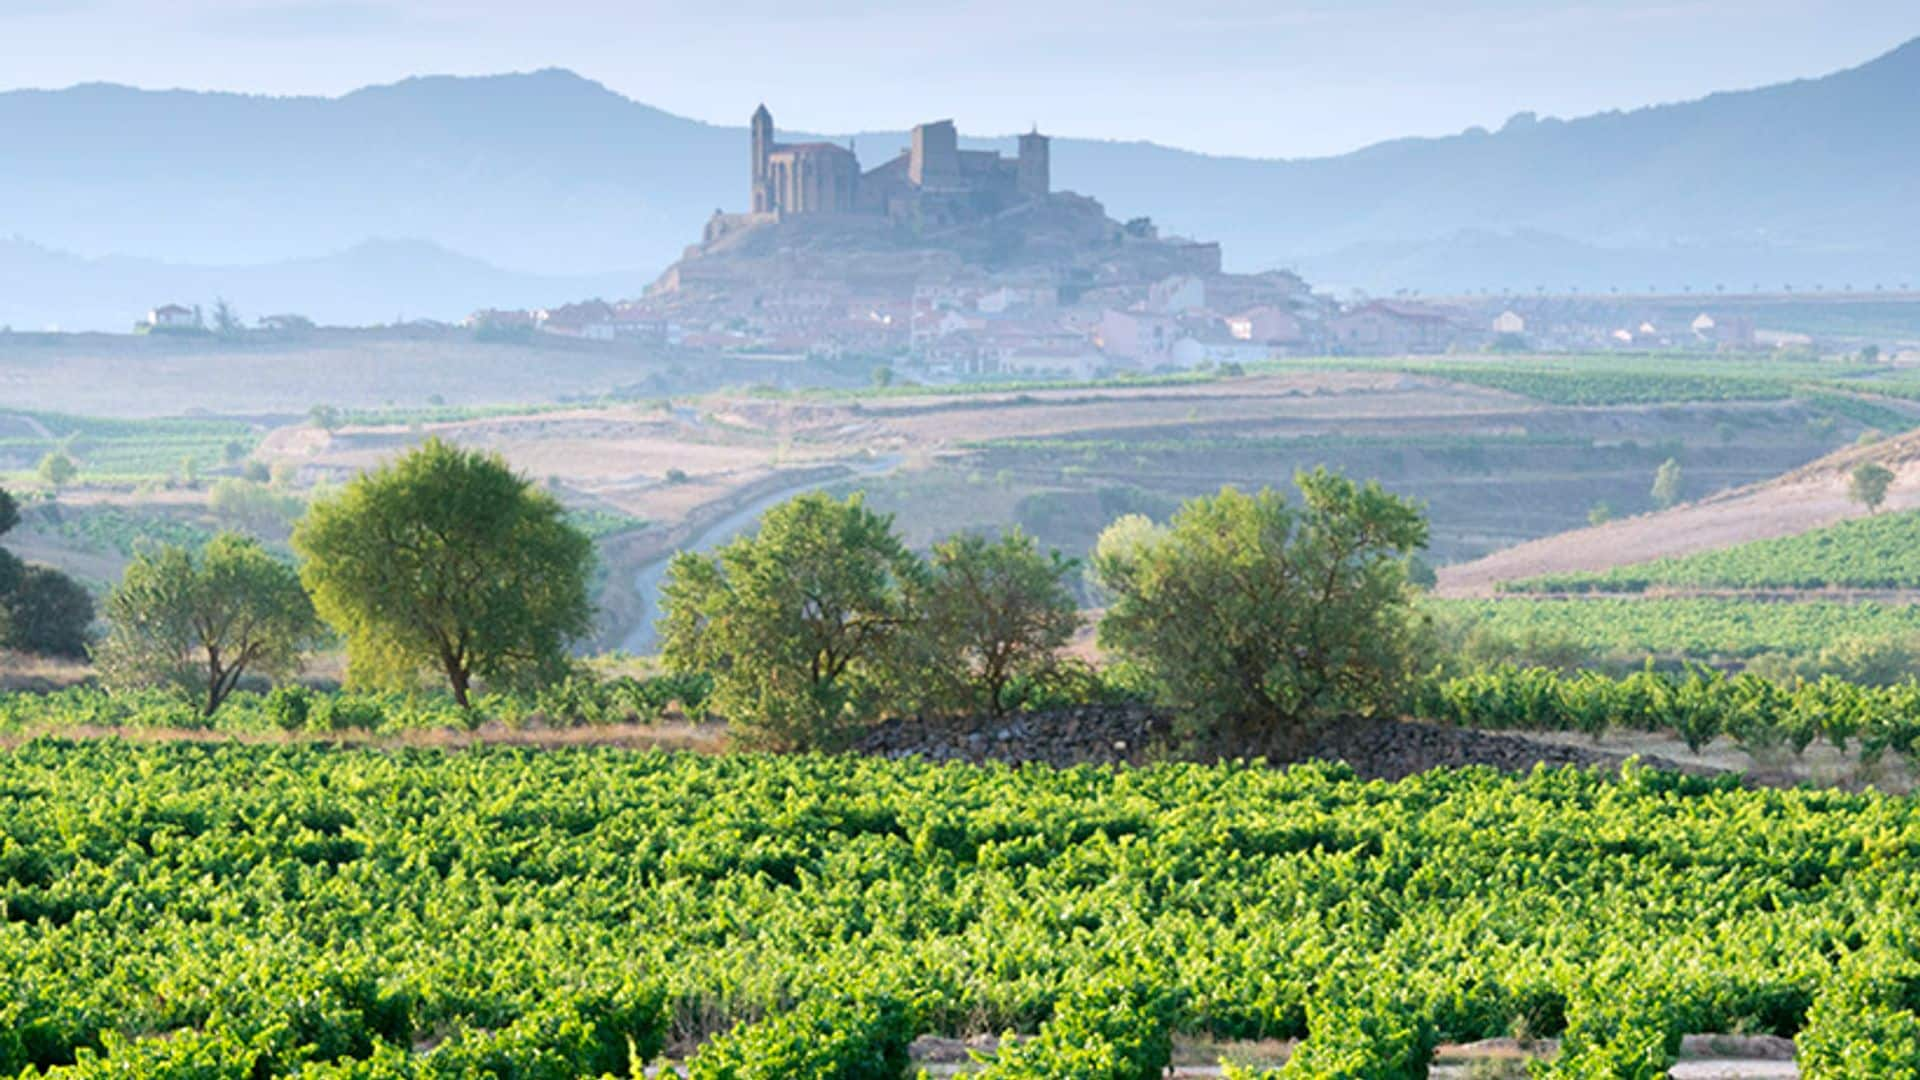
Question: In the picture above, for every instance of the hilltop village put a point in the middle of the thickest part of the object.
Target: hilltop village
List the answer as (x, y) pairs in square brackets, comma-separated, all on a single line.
[(953, 263)]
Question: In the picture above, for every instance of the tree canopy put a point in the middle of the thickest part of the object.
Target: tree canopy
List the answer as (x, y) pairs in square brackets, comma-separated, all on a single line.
[(1260, 619), (802, 624), (201, 622), (447, 560), (1669, 483), (41, 610), (995, 617), (1868, 484)]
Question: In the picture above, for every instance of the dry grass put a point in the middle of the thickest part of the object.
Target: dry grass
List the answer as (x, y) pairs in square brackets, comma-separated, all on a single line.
[(674, 735), (40, 674)]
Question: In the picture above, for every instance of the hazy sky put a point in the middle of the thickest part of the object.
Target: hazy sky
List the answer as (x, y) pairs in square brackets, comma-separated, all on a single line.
[(1258, 77)]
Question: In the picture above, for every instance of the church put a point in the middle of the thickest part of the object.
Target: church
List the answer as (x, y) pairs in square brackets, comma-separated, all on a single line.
[(932, 182)]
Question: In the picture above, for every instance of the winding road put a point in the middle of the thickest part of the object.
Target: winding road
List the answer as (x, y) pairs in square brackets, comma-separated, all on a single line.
[(642, 639)]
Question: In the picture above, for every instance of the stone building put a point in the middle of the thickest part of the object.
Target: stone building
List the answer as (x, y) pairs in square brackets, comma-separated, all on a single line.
[(933, 181)]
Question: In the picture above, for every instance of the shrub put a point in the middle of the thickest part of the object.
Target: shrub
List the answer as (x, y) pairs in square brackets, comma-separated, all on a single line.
[(1260, 620)]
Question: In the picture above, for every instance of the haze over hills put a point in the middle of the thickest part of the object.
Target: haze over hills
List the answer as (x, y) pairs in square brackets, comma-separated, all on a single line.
[(551, 174)]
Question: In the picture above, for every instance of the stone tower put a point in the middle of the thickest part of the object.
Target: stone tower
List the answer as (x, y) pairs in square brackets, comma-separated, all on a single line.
[(762, 148), (934, 161), (1036, 165)]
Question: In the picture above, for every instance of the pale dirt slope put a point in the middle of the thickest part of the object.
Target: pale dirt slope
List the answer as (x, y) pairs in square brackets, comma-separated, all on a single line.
[(1807, 498)]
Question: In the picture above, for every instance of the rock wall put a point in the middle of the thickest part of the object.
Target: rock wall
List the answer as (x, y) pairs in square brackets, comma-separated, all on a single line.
[(1139, 734)]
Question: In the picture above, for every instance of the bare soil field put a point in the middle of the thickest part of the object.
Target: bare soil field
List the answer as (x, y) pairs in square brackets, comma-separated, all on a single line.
[(1494, 469), (1806, 498)]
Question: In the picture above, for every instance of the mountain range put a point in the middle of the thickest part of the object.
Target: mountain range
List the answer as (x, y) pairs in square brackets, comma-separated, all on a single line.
[(549, 185)]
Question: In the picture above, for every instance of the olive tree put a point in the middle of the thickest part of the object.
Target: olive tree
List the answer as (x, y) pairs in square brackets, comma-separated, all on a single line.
[(802, 624), (47, 613), (1261, 620), (41, 610), (57, 470), (199, 622), (1668, 484), (447, 560), (995, 616), (1868, 485)]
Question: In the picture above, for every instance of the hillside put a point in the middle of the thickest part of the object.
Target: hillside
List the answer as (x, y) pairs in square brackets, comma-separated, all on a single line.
[(551, 173), (1811, 497)]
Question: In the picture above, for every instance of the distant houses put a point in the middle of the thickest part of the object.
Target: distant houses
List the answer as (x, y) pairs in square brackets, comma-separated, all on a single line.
[(172, 319), (1382, 328)]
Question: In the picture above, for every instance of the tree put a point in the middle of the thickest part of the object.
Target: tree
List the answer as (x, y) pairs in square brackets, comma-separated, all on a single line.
[(802, 625), (995, 616), (200, 623), (325, 417), (1868, 485), (226, 321), (1599, 513), (446, 559), (1667, 484), (57, 470), (1262, 621), (47, 613), (41, 610)]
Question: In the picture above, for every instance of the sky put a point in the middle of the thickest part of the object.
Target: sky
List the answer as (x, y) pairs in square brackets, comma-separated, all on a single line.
[(1264, 78)]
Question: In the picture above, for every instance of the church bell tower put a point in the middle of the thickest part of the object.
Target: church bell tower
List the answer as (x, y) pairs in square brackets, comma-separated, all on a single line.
[(762, 146)]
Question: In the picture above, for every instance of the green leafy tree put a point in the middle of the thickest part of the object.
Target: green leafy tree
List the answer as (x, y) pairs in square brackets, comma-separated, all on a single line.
[(1868, 485), (1599, 513), (47, 613), (447, 560), (1668, 483), (325, 417), (41, 610), (57, 470), (201, 622), (1261, 620), (802, 625), (995, 616)]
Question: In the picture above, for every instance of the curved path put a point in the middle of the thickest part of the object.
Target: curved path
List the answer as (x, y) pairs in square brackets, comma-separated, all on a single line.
[(642, 639)]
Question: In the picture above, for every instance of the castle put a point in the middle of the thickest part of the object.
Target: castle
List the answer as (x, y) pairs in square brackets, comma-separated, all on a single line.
[(933, 182)]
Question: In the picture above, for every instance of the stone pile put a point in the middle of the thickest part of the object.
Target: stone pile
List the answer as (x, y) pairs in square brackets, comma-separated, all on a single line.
[(1138, 734)]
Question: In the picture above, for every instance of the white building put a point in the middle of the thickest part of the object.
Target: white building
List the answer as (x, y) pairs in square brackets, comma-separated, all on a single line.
[(173, 317)]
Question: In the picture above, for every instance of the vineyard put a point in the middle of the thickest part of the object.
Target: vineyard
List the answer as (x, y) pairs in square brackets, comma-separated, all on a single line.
[(111, 451), (1697, 628), (1879, 552), (1648, 379), (183, 910), (1697, 706)]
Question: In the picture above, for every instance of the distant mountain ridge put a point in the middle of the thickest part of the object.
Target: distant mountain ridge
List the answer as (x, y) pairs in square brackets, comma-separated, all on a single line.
[(377, 281), (549, 173)]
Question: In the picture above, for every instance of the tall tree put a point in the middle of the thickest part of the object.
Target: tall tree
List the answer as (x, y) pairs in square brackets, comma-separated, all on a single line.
[(1261, 620), (1868, 485), (447, 560), (201, 622), (800, 624), (995, 616), (1668, 484)]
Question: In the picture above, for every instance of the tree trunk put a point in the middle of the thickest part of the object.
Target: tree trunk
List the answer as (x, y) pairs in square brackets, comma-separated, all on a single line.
[(459, 679)]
